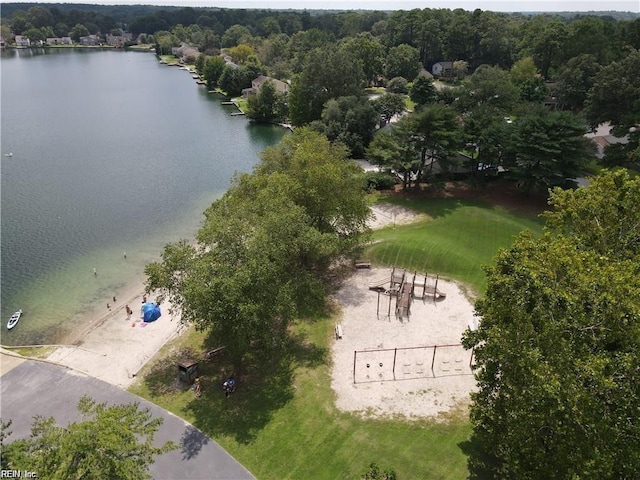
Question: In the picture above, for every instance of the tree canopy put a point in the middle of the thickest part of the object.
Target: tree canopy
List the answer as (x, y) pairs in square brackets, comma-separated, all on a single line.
[(557, 351), (109, 442), (265, 248)]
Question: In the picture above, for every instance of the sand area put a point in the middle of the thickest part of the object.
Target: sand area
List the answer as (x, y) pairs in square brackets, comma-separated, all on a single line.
[(114, 347)]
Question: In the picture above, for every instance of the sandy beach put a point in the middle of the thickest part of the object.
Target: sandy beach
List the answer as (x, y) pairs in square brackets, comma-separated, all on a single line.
[(114, 347)]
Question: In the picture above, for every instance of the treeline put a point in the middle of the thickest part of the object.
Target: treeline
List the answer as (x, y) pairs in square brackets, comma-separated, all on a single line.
[(476, 37)]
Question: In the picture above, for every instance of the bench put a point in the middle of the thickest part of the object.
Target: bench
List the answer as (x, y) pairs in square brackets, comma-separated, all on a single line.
[(363, 264), (338, 331)]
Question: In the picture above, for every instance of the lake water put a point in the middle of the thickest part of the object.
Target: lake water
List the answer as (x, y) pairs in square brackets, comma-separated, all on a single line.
[(112, 152)]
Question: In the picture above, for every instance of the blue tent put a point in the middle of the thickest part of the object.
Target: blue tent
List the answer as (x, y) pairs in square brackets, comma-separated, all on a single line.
[(151, 312)]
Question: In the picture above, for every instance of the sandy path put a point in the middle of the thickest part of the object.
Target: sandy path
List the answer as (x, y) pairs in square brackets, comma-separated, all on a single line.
[(386, 214)]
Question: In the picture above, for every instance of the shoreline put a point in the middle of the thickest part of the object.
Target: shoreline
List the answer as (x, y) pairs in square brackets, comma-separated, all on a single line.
[(114, 347)]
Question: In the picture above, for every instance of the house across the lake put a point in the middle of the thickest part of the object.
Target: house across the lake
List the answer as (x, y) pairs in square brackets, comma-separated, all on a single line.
[(442, 69), (280, 86)]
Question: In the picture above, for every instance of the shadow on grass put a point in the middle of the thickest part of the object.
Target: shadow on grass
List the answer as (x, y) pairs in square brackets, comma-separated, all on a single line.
[(481, 465), (263, 387), (261, 390), (162, 378)]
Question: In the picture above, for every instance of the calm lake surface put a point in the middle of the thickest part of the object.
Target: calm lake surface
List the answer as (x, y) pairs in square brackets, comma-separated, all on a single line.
[(111, 153)]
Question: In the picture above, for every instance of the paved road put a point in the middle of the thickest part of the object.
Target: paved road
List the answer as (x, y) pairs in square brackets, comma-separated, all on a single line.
[(30, 388)]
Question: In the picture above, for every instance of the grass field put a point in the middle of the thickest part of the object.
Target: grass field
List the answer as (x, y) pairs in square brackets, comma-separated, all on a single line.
[(459, 237), (282, 422)]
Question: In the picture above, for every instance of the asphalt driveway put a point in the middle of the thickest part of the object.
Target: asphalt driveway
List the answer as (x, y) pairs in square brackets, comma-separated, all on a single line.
[(31, 388)]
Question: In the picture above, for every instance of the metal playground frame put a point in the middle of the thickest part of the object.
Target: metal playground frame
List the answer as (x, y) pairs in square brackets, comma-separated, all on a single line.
[(404, 363)]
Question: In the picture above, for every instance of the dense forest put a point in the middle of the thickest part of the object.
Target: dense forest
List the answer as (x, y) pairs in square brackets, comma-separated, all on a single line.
[(512, 92)]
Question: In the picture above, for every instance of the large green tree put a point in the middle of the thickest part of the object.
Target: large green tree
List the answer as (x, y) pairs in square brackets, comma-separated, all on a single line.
[(547, 149), (212, 71), (265, 248), (412, 148), (109, 442), (349, 120), (403, 61), (369, 52), (615, 98), (267, 104), (557, 351), (328, 73)]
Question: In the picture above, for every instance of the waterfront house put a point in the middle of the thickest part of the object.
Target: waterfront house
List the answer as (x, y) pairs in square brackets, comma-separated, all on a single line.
[(281, 87), (184, 51), (22, 41), (119, 40), (90, 41), (59, 41)]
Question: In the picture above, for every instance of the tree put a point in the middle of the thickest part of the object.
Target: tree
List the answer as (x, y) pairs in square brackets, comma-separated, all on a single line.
[(615, 96), (548, 149), (267, 104), (265, 248), (213, 68), (436, 134), (460, 69), (489, 86), (422, 91), (523, 71), (35, 34), (235, 35), (416, 143), (233, 79), (575, 79), (394, 151), (242, 53), (543, 39), (369, 52), (487, 135), (78, 31), (109, 442), (328, 73), (557, 351), (388, 105), (349, 120), (403, 61), (397, 85)]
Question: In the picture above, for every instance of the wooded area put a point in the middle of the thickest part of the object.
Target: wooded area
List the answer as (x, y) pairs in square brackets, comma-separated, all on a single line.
[(504, 77)]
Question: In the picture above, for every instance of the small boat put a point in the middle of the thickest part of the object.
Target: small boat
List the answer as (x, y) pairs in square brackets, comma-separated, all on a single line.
[(13, 321), (9, 154)]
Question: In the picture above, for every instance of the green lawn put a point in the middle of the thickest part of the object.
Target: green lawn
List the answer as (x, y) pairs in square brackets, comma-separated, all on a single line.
[(282, 422), (459, 237)]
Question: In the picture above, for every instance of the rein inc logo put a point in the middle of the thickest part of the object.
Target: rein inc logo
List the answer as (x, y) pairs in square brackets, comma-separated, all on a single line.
[(17, 474)]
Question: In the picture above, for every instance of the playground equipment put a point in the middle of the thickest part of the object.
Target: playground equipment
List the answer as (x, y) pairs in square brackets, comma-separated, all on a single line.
[(405, 290), (431, 361)]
